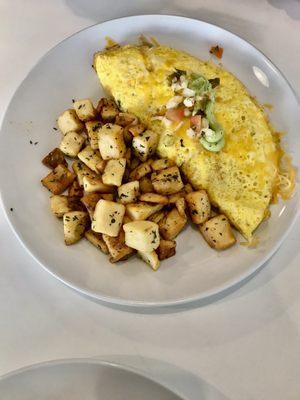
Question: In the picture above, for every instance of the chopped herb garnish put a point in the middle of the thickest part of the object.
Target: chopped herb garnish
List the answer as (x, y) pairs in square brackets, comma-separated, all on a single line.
[(214, 82), (11, 209), (30, 141), (35, 143), (73, 100), (181, 143), (55, 129)]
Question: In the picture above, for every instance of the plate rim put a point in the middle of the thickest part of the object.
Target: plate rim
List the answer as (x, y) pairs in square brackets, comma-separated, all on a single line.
[(92, 361), (139, 304)]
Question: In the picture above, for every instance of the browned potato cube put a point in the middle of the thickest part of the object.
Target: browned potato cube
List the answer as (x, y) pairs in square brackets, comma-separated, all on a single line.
[(117, 248), (108, 109), (199, 206), (114, 171), (71, 143), (68, 121), (92, 185), (154, 198), (90, 200), (150, 258), (111, 142), (166, 249), (59, 179), (54, 158), (108, 217), (75, 223), (144, 145), (136, 130), (134, 163), (108, 196), (91, 158), (146, 185), (180, 205), (59, 205), (75, 204), (172, 224), (75, 190), (81, 170), (218, 233), (97, 240), (174, 197), (188, 188), (128, 192), (93, 128), (162, 163), (140, 171), (157, 217), (85, 110), (168, 181), (124, 119), (142, 211)]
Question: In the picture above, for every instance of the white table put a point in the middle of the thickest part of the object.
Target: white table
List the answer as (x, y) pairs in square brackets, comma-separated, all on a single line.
[(244, 346)]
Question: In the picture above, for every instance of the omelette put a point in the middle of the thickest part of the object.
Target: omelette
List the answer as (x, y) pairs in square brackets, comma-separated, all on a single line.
[(241, 174)]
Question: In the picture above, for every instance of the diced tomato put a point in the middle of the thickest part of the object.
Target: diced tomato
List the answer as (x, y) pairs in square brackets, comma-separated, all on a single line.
[(216, 51), (175, 114), (196, 122)]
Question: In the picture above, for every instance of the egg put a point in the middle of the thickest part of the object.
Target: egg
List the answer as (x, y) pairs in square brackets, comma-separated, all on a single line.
[(240, 179)]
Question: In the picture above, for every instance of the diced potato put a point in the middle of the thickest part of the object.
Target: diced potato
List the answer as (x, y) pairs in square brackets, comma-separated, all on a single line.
[(128, 155), (188, 188), (176, 196), (146, 185), (111, 142), (218, 233), (154, 198), (180, 205), (58, 180), (145, 144), (59, 205), (91, 158), (68, 121), (129, 192), (75, 204), (108, 109), (142, 235), (85, 110), (124, 119), (75, 190), (142, 211), (97, 240), (93, 128), (157, 217), (92, 185), (54, 158), (161, 163), (140, 171), (117, 248), (199, 206), (114, 171), (168, 181), (75, 223), (126, 219), (166, 249), (108, 196), (71, 143), (172, 224), (134, 163), (150, 259), (136, 130), (81, 170), (90, 201), (108, 217)]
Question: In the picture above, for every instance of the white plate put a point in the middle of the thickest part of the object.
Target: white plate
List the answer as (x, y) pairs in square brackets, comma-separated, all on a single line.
[(66, 73), (81, 379)]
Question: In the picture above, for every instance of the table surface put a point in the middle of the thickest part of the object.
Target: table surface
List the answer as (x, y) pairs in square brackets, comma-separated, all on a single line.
[(243, 346)]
